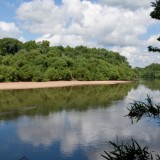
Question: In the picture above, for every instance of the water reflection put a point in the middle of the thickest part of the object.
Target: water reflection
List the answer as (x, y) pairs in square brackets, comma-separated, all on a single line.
[(93, 127), (140, 94), (77, 133), (152, 84), (44, 101)]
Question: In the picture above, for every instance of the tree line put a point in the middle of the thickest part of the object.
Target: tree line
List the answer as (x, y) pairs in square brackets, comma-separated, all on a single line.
[(38, 61), (151, 71)]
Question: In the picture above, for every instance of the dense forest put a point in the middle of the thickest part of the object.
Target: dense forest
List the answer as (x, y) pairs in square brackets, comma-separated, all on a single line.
[(151, 71), (38, 61)]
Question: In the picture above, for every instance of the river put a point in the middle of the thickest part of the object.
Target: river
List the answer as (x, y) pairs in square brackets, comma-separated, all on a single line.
[(73, 123)]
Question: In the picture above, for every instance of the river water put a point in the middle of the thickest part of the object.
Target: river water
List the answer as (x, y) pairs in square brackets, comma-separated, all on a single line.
[(73, 123)]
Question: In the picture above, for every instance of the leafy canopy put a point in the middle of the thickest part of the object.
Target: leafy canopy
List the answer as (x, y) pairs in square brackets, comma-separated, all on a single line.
[(155, 14)]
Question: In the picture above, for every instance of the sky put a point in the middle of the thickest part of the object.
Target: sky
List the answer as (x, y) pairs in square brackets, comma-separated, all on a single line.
[(123, 26)]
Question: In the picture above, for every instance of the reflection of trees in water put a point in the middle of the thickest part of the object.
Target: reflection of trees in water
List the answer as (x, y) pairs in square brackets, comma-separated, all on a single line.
[(43, 101), (152, 84)]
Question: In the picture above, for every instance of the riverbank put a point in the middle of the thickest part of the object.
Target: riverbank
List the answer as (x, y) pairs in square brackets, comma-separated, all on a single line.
[(53, 84)]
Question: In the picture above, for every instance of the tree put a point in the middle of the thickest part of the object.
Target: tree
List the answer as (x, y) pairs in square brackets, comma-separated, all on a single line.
[(40, 62), (30, 45), (10, 46), (155, 14), (44, 46)]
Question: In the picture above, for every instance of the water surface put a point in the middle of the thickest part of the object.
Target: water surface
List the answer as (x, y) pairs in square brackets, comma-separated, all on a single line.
[(73, 122)]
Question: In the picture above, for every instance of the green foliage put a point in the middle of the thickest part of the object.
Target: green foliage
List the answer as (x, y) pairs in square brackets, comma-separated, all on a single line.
[(33, 61), (129, 151), (51, 74), (7, 73), (150, 72), (138, 72), (44, 46), (30, 45), (9, 46), (25, 73)]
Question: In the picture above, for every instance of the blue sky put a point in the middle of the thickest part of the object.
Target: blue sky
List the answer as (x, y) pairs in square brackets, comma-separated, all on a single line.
[(120, 25)]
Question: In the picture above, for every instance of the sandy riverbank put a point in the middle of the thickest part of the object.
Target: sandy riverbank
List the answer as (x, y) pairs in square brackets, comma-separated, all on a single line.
[(53, 84)]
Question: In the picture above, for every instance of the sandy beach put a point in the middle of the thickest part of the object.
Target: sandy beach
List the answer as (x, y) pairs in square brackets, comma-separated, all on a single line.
[(53, 84)]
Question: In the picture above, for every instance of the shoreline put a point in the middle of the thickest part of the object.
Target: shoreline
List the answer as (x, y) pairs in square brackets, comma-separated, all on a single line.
[(53, 84)]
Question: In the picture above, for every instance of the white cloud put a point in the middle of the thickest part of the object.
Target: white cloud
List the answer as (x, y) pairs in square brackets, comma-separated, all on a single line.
[(85, 21), (140, 94), (102, 24), (128, 3), (41, 16), (9, 30), (66, 40), (138, 57), (152, 41)]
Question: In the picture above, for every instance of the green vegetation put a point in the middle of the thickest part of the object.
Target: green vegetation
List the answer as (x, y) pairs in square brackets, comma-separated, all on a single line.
[(33, 61), (149, 72)]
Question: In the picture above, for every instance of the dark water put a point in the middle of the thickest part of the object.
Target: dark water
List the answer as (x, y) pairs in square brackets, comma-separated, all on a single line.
[(74, 122)]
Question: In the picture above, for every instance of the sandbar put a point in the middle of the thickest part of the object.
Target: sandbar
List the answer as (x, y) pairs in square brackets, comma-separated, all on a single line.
[(53, 84)]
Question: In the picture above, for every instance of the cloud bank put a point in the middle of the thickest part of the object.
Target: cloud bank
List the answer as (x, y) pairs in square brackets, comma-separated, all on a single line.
[(110, 24), (9, 30), (78, 22)]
